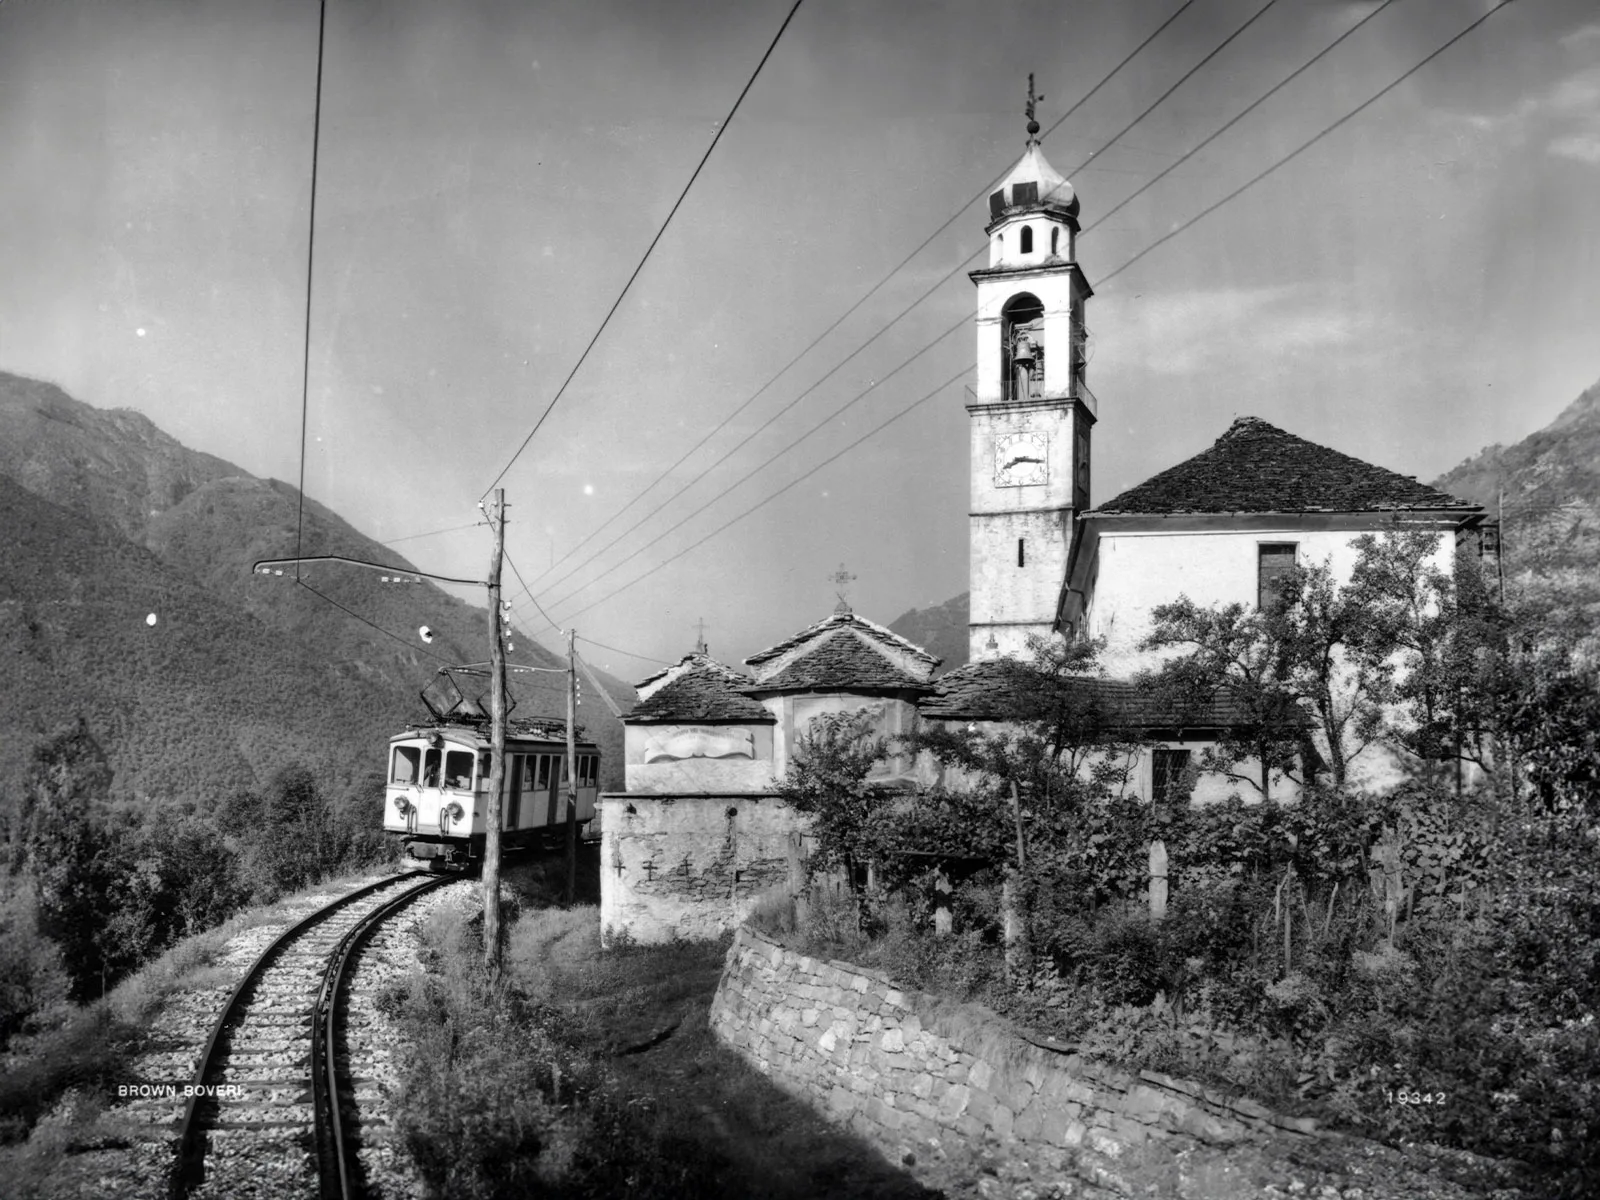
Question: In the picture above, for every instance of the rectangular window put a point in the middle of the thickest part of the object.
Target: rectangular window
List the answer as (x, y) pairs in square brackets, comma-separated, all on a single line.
[(407, 764), (1274, 560), (587, 765), (529, 762), (1022, 554), (1025, 193), (997, 202), (542, 780), (430, 768), (1168, 784), (458, 770)]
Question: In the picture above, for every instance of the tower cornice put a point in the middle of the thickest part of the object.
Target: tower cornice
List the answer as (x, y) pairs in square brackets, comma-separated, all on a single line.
[(1033, 271)]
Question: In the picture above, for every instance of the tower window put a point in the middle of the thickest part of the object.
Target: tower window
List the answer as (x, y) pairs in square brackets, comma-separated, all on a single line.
[(1027, 239), (1055, 241), (1022, 553), (997, 202), (1025, 193)]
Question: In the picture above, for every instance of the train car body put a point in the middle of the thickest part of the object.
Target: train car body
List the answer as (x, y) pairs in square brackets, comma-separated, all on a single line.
[(436, 798)]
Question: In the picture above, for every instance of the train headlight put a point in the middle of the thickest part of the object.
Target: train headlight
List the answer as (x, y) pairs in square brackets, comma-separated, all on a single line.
[(453, 810), (402, 806)]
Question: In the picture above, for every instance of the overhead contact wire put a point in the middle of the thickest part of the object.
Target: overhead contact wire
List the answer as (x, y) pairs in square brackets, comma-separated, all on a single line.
[(1165, 238), (940, 282), (582, 358), (872, 291)]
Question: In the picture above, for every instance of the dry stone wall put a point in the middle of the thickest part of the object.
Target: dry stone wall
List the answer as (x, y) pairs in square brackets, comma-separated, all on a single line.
[(941, 1087)]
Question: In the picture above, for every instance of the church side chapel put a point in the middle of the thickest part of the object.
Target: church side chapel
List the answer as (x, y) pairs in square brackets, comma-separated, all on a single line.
[(700, 832)]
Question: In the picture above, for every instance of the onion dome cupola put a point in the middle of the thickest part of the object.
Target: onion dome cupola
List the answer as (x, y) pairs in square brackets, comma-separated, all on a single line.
[(1033, 214)]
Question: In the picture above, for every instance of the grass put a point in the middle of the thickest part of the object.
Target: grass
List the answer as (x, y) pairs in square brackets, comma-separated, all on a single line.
[(594, 1073)]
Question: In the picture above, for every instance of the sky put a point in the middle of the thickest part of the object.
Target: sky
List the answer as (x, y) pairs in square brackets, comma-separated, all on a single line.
[(1422, 282)]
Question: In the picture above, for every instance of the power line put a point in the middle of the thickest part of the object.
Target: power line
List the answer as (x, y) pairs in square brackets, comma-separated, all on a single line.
[(1239, 116), (867, 295), (940, 282), (721, 129), (1306, 145), (530, 595), (311, 244), (1165, 238), (411, 537), (760, 504), (406, 642), (963, 323), (628, 653)]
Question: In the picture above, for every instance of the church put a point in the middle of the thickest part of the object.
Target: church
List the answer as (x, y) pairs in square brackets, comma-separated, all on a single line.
[(699, 833)]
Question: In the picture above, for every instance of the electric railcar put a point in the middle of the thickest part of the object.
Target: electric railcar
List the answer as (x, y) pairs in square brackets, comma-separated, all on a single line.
[(437, 795)]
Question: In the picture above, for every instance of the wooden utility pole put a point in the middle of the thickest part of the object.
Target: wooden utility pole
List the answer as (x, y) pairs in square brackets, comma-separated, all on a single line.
[(572, 769), (497, 744)]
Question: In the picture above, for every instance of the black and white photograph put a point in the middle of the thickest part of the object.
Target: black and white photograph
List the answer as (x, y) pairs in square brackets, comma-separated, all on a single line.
[(800, 600)]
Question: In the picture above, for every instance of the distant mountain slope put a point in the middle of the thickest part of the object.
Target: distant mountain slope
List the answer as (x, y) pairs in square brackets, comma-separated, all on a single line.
[(941, 630), (205, 702), (1549, 486), (207, 521)]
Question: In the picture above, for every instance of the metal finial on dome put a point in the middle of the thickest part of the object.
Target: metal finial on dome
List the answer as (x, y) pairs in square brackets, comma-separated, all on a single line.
[(1033, 123)]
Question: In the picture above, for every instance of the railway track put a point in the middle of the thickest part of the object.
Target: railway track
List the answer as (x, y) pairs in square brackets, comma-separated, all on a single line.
[(270, 1111)]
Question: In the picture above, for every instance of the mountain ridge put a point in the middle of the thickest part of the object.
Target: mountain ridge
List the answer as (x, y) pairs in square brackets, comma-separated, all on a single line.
[(206, 521)]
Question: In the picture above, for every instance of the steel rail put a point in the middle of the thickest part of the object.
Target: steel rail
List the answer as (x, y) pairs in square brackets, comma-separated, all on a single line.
[(336, 1163), (187, 1171)]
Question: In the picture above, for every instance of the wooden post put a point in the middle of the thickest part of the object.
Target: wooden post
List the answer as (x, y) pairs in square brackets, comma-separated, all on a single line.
[(1158, 880), (571, 890), (1013, 912), (797, 876), (943, 921), (497, 744)]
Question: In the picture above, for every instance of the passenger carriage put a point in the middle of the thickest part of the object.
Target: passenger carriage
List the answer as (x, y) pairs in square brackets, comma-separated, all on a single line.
[(437, 795)]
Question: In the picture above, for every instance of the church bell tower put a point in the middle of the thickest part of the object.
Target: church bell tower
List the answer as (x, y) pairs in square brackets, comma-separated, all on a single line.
[(1033, 410)]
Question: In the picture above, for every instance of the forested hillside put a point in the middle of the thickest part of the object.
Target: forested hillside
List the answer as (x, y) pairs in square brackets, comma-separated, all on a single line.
[(941, 630), (1548, 486), (241, 672)]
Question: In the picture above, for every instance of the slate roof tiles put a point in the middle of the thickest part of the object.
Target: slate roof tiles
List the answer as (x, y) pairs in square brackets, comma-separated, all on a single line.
[(840, 661), (703, 692), (1255, 467), (988, 691)]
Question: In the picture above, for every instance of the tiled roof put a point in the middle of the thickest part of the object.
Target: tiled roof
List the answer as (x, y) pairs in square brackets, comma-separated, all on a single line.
[(846, 620), (844, 661), (703, 691), (994, 691), (1257, 467)]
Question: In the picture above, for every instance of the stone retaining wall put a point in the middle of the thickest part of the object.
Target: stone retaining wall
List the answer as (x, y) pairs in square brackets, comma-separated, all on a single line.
[(921, 1078)]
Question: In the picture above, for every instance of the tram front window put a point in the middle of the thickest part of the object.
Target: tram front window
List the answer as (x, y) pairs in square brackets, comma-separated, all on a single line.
[(407, 764), (430, 768), (458, 769)]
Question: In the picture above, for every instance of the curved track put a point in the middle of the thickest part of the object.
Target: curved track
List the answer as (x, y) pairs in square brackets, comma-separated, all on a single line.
[(264, 1117)]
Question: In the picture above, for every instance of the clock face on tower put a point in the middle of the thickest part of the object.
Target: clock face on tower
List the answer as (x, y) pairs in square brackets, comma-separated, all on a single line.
[(1021, 458)]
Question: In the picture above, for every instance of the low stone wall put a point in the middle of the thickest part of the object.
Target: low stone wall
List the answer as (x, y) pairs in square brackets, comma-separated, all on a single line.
[(926, 1080)]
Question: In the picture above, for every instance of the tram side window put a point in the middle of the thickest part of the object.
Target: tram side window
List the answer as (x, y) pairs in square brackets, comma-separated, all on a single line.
[(586, 770), (543, 781), (485, 767), (529, 763), (407, 764), (458, 769), (430, 768)]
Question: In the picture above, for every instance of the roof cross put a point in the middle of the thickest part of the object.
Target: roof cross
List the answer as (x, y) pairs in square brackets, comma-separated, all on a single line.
[(700, 646), (840, 579)]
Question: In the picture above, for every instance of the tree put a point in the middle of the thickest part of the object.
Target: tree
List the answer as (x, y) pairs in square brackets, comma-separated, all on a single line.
[(1381, 657), (828, 779), (67, 850)]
